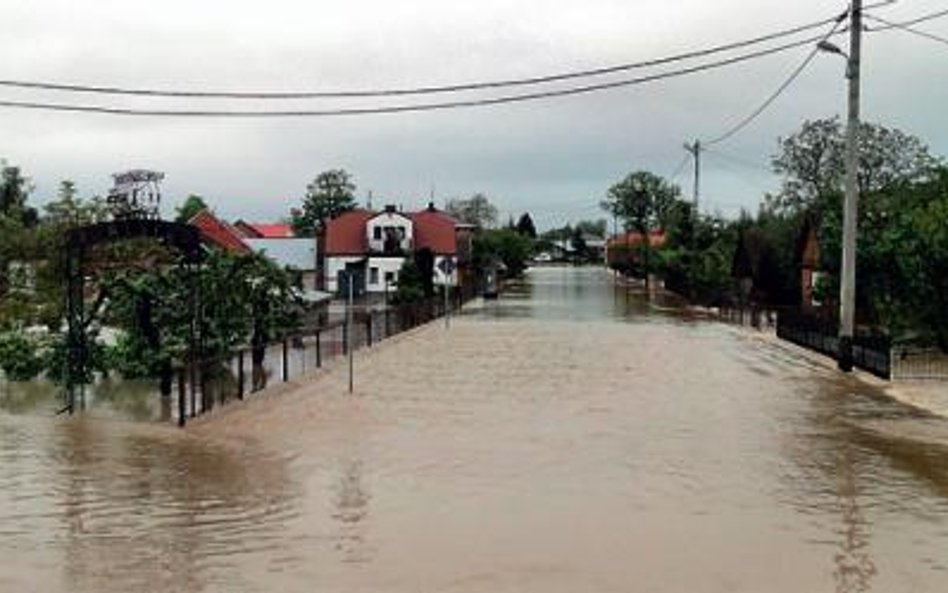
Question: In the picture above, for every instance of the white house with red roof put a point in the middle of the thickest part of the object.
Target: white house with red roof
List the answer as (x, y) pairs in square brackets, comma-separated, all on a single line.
[(375, 245)]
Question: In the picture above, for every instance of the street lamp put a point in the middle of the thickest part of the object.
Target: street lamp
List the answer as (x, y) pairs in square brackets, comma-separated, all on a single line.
[(847, 284)]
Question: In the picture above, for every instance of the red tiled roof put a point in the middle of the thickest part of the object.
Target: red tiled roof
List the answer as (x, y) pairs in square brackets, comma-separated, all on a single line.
[(435, 230), (656, 239), (345, 234), (246, 230), (218, 233), (275, 230)]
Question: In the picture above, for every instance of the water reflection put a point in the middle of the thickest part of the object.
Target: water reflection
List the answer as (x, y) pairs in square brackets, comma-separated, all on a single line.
[(351, 508), (128, 510)]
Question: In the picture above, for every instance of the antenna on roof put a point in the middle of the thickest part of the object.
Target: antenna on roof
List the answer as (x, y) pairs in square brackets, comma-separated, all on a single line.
[(368, 201)]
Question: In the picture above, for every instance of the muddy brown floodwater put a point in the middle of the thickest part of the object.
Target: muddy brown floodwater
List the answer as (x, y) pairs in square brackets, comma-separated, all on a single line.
[(570, 437)]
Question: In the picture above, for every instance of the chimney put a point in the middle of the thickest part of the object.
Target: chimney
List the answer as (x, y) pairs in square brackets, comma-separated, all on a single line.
[(431, 207), (390, 208)]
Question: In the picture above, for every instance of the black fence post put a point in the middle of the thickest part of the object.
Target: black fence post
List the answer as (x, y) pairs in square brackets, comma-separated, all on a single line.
[(368, 330), (182, 395), (319, 356), (286, 361), (192, 376), (240, 374), (345, 336)]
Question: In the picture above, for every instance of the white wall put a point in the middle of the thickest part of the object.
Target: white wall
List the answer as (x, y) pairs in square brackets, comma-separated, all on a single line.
[(391, 265), (389, 220), (384, 265)]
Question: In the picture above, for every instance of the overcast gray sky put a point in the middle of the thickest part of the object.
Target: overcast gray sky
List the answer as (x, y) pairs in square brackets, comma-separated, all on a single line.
[(553, 158)]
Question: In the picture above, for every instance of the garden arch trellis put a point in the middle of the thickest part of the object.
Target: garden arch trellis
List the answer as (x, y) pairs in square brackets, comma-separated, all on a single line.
[(184, 238)]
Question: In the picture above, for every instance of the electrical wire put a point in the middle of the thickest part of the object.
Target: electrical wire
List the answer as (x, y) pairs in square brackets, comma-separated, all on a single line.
[(407, 108), (924, 18), (679, 168), (780, 89), (423, 90), (737, 160), (907, 28)]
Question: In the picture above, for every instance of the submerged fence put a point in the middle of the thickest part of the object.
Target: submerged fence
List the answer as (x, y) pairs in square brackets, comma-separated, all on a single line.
[(919, 364), (872, 353), (201, 387)]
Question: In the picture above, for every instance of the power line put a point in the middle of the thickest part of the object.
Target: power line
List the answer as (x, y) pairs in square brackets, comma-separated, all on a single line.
[(422, 90), (407, 108), (780, 89), (738, 160), (677, 171), (924, 18), (907, 28)]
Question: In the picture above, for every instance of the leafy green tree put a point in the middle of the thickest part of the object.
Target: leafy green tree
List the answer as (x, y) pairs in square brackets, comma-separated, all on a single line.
[(15, 190), (328, 196), (526, 227), (19, 357), (593, 228), (411, 283), (190, 207), (812, 163), (476, 210), (250, 299), (643, 201), (504, 246)]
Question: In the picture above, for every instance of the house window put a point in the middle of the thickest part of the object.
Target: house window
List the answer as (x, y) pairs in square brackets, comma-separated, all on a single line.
[(373, 276), (377, 233), (389, 277)]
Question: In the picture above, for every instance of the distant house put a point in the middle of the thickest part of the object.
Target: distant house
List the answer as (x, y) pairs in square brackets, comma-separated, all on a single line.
[(808, 254), (374, 245), (274, 241), (619, 249)]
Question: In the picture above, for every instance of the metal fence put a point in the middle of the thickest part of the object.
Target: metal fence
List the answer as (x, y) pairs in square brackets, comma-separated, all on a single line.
[(753, 317), (201, 387), (871, 352), (919, 364)]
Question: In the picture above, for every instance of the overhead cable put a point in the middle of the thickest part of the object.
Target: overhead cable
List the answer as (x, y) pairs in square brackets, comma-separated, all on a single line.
[(413, 107), (780, 89), (422, 90), (907, 28)]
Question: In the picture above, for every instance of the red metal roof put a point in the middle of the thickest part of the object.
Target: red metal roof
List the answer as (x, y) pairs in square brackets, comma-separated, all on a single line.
[(218, 233), (435, 230), (274, 230), (345, 234)]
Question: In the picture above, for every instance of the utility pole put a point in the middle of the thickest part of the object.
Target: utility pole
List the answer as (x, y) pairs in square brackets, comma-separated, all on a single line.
[(695, 151), (847, 285)]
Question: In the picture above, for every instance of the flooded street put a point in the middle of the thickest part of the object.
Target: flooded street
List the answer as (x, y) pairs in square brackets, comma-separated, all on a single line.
[(569, 437)]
